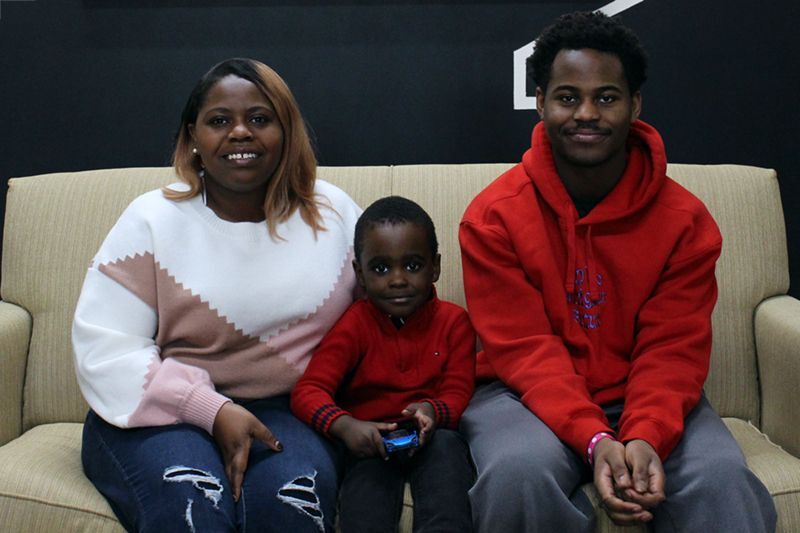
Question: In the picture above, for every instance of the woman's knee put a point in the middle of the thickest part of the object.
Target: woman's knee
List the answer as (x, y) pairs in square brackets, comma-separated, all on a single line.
[(158, 479), (291, 488), (194, 499)]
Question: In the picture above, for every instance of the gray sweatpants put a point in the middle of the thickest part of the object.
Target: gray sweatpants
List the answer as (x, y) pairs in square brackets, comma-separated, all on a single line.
[(528, 480)]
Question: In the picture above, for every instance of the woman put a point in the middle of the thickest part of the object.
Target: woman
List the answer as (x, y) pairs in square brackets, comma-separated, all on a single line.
[(199, 313)]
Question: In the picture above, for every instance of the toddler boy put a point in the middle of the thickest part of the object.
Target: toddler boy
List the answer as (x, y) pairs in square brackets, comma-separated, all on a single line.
[(398, 357)]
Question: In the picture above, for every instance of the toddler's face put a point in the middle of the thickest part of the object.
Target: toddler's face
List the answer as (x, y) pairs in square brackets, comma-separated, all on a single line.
[(397, 268)]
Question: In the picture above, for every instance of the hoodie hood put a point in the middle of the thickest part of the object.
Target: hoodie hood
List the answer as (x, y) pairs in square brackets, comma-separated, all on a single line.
[(644, 176)]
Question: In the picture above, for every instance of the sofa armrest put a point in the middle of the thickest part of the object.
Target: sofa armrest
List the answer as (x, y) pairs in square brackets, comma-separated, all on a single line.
[(15, 334), (777, 335)]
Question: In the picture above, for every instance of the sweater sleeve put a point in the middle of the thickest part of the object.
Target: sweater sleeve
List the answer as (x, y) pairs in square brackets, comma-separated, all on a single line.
[(458, 380), (312, 399), (509, 316), (673, 344), (118, 364)]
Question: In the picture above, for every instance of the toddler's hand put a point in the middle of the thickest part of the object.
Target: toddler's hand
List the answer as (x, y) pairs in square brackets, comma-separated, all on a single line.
[(363, 439), (424, 418)]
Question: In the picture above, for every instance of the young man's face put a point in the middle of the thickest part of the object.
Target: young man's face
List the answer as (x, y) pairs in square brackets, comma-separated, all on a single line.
[(587, 109), (397, 268)]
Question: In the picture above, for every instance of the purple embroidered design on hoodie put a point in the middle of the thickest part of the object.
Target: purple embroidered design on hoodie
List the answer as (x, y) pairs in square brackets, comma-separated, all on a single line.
[(587, 298)]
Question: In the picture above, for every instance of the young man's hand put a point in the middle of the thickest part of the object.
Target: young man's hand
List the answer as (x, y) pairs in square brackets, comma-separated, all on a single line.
[(613, 480), (647, 474), (424, 417), (363, 439), (234, 430)]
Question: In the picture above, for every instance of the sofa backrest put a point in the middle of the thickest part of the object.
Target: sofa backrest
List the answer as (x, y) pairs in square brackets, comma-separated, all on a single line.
[(55, 224), (754, 265)]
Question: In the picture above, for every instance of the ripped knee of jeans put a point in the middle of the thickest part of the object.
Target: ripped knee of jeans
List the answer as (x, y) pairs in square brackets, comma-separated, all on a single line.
[(203, 481), (300, 493)]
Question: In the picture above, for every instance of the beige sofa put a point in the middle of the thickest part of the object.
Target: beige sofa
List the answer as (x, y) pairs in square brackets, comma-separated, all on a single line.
[(55, 223)]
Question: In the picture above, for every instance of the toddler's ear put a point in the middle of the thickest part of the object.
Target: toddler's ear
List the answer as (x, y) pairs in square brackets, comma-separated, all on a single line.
[(359, 274), (437, 267)]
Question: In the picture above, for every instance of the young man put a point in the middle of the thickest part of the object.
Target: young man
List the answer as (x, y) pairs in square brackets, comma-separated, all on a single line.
[(589, 277), (399, 355)]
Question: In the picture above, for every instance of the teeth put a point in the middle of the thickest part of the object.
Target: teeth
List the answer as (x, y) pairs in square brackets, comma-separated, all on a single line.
[(241, 156)]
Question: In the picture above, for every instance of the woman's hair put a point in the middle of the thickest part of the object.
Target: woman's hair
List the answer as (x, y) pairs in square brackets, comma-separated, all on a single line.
[(586, 29), (291, 186)]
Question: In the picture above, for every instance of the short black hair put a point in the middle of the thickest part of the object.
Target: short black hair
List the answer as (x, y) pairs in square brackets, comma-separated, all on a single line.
[(593, 30), (394, 210)]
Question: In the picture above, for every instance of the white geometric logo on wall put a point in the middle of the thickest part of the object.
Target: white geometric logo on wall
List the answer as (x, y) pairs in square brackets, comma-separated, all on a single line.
[(521, 55)]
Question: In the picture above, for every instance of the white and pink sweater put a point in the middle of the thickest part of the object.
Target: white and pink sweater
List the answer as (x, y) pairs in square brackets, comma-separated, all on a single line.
[(181, 310)]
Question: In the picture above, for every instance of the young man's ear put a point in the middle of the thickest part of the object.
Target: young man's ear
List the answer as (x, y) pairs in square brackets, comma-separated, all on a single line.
[(636, 105), (359, 274), (437, 267), (540, 102)]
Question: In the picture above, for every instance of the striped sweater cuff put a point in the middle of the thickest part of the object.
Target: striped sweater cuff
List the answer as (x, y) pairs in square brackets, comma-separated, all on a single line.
[(323, 417), (443, 417)]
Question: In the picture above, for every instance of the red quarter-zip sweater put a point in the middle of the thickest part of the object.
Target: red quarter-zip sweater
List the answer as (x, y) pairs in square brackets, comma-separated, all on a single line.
[(575, 313), (367, 368)]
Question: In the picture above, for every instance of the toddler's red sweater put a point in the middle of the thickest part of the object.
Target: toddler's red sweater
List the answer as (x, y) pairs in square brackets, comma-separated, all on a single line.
[(368, 368)]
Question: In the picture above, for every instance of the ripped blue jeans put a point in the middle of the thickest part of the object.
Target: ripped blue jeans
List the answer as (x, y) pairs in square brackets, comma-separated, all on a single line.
[(172, 478)]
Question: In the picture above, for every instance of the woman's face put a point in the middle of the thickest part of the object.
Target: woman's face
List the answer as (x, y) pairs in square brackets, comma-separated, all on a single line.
[(238, 137)]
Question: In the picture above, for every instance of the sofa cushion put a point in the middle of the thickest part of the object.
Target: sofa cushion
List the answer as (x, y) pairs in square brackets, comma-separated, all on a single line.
[(776, 468)]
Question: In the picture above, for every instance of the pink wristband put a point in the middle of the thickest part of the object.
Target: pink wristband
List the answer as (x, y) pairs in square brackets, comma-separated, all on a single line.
[(592, 443)]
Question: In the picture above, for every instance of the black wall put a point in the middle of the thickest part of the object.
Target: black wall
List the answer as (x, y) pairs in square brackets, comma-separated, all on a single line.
[(100, 83)]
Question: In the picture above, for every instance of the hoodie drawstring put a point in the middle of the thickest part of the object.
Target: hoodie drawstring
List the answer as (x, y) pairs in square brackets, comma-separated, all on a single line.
[(591, 283), (569, 276), (591, 267)]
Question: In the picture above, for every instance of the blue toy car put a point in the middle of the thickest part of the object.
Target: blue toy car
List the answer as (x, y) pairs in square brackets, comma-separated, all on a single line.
[(401, 439)]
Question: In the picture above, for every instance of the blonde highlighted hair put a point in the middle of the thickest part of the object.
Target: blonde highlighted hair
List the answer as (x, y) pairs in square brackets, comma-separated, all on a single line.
[(291, 187)]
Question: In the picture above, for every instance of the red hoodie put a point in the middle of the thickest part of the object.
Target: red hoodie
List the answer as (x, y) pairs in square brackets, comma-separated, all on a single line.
[(574, 313)]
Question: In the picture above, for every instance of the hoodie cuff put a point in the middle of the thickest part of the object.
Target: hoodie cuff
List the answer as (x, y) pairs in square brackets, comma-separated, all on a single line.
[(652, 435), (580, 433)]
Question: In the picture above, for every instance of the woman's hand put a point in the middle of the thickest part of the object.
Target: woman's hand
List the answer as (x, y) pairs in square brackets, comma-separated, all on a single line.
[(363, 439), (234, 430)]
